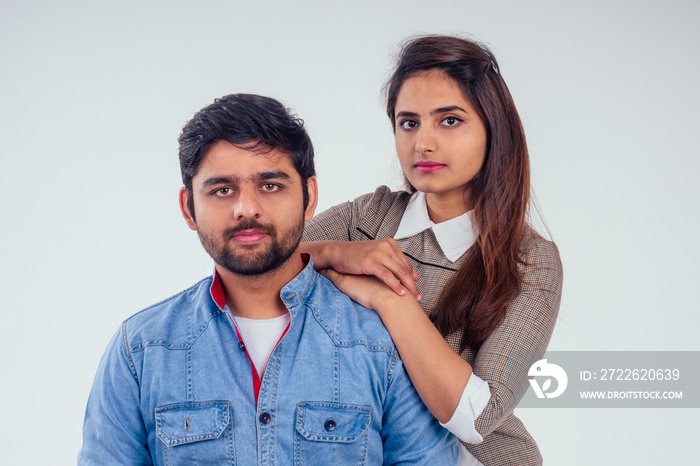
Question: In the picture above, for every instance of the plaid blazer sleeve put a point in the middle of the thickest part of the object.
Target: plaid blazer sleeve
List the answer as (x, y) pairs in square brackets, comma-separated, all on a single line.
[(336, 223), (522, 337)]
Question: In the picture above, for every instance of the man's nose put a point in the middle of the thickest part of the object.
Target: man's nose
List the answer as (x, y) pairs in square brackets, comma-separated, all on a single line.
[(247, 205)]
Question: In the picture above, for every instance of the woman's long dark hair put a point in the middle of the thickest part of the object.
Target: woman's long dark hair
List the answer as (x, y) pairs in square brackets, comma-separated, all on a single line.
[(476, 297)]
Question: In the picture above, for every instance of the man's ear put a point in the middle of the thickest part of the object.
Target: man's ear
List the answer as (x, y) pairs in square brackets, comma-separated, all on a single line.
[(186, 214), (312, 185)]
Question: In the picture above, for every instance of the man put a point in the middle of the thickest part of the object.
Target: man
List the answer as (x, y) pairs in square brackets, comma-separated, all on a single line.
[(266, 362)]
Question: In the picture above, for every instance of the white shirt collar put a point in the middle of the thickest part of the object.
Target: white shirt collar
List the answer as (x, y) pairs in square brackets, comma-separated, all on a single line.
[(454, 236)]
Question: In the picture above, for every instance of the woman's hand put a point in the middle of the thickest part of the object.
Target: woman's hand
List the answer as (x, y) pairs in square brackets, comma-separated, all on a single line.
[(381, 258)]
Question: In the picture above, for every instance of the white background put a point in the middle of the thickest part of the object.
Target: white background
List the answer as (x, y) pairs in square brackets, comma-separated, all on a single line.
[(93, 96)]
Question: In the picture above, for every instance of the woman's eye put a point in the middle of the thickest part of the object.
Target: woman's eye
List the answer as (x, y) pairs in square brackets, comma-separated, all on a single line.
[(408, 124), (451, 121)]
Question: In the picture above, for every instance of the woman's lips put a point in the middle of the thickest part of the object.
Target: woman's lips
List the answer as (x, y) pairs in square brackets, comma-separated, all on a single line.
[(427, 167), (249, 236)]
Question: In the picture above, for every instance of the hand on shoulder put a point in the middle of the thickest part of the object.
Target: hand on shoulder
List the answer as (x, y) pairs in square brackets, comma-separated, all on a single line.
[(380, 258)]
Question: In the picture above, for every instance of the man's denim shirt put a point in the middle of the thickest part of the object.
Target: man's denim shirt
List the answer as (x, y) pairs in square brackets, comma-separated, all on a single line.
[(175, 386)]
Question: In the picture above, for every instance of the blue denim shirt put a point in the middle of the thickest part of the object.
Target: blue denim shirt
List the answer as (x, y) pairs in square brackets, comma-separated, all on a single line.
[(175, 386)]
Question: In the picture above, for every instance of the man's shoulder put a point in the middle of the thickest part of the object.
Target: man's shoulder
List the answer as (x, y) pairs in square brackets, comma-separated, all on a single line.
[(174, 321), (347, 322)]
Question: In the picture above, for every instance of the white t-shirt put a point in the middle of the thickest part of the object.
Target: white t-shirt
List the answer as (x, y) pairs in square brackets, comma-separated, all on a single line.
[(260, 337)]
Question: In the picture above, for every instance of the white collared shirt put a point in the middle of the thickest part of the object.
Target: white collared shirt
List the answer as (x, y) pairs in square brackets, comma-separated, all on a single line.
[(455, 237)]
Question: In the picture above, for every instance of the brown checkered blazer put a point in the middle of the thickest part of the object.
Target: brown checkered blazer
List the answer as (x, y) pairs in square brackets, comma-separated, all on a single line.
[(505, 357)]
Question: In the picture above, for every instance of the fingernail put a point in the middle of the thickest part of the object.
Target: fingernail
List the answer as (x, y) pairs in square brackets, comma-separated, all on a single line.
[(419, 298)]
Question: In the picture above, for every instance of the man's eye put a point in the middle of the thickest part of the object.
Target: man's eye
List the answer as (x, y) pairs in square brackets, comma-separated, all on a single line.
[(408, 124), (223, 191), (270, 187)]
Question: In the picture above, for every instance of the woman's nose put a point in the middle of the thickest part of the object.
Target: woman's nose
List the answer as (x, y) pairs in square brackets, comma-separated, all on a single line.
[(425, 140)]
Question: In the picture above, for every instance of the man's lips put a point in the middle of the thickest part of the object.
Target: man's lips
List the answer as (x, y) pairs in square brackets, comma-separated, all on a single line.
[(249, 236), (427, 167)]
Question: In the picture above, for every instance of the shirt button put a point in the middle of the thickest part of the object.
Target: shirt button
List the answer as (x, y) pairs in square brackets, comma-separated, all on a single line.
[(265, 418), (241, 346), (330, 425)]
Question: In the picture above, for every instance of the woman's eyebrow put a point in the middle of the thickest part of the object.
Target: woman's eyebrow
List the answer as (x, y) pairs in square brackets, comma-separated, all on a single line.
[(406, 114), (450, 108), (437, 111)]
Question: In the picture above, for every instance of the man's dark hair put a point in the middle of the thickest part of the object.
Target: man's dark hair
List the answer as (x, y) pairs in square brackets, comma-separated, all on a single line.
[(251, 122)]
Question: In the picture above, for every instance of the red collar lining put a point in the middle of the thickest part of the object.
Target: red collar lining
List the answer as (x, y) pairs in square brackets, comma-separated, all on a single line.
[(217, 291)]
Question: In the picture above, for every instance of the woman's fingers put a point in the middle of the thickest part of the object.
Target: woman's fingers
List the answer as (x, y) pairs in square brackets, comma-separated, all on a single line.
[(390, 279), (391, 266), (399, 278), (381, 258)]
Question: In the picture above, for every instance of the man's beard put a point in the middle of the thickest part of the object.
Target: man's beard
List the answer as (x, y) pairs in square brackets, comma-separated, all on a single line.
[(253, 262)]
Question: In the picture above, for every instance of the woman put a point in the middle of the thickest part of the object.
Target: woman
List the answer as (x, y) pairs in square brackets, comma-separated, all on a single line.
[(489, 286)]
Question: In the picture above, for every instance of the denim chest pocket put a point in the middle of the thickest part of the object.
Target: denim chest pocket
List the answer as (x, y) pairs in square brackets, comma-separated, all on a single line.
[(334, 433), (193, 433)]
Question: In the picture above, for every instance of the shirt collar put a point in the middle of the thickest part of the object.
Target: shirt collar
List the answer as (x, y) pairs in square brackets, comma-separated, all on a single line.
[(291, 293), (454, 236)]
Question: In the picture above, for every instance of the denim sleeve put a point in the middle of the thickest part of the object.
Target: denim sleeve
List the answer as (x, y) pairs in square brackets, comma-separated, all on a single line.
[(410, 433), (114, 432)]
